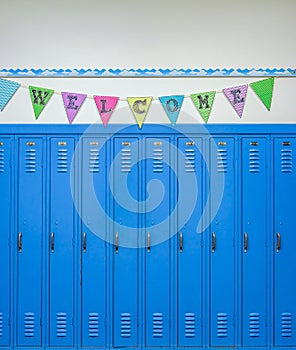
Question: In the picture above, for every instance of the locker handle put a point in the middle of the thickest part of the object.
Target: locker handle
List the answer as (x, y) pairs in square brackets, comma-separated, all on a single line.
[(20, 242), (52, 242), (149, 242), (84, 242), (116, 242), (278, 243), (181, 242), (246, 242), (213, 242)]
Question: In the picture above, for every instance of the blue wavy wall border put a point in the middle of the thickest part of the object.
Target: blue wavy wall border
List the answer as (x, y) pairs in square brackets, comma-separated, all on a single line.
[(153, 72)]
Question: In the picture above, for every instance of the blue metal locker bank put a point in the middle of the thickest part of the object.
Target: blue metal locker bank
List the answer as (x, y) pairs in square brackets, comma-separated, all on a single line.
[(159, 238)]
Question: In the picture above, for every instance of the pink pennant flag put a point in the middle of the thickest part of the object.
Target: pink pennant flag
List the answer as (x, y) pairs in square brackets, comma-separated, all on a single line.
[(106, 106), (237, 97), (72, 103)]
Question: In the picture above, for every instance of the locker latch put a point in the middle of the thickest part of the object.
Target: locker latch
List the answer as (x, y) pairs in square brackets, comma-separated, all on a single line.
[(213, 242)]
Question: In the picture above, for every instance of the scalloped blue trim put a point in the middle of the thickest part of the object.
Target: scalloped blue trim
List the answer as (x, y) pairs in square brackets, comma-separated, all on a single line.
[(161, 72)]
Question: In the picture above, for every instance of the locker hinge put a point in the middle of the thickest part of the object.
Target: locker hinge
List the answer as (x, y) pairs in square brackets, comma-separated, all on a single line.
[(73, 242), (9, 322), (40, 321), (234, 241), (234, 322), (9, 242), (73, 321)]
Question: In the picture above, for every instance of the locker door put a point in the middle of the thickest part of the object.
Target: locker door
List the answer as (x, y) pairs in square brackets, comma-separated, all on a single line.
[(94, 303), (285, 241), (190, 251), (157, 256), (30, 231), (222, 245), (6, 206), (61, 243), (254, 219), (125, 259)]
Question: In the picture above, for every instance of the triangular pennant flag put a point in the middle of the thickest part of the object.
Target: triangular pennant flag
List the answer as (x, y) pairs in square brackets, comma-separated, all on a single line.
[(264, 90), (172, 106), (204, 102), (237, 97), (7, 90), (40, 97), (72, 103), (139, 107), (106, 106)]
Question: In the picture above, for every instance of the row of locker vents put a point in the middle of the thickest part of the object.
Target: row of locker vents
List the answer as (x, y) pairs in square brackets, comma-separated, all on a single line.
[(190, 325), (254, 325), (286, 325), (254, 160), (157, 325), (1, 324), (126, 325), (30, 160), (93, 325), (222, 325), (29, 324), (61, 325)]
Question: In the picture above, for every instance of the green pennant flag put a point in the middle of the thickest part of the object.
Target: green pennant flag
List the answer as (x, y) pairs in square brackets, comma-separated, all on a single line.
[(204, 102), (264, 90), (39, 97)]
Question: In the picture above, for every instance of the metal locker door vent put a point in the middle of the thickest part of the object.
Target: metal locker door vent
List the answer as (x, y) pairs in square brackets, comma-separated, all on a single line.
[(254, 160), (222, 325), (190, 325), (126, 159), (190, 160), (287, 160), (158, 158), (93, 325), (30, 160), (1, 324), (286, 325), (222, 162), (254, 325), (62, 160), (61, 324), (29, 321), (94, 160), (2, 160), (157, 325), (125, 325)]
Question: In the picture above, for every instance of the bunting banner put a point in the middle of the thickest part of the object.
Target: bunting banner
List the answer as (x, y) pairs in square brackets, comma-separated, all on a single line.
[(7, 90), (172, 106), (72, 103), (40, 97), (106, 106), (204, 102), (139, 107), (264, 90), (237, 97)]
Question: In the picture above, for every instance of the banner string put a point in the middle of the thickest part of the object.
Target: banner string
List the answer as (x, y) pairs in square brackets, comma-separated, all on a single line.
[(124, 98)]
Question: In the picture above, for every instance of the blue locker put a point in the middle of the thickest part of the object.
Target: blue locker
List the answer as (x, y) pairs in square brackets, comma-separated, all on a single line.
[(5, 227), (157, 280), (254, 238), (61, 240), (125, 257), (29, 241), (284, 242), (190, 266), (222, 258), (93, 247)]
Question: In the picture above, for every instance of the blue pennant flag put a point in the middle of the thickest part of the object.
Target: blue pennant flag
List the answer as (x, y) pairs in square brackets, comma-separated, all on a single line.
[(7, 90), (172, 106)]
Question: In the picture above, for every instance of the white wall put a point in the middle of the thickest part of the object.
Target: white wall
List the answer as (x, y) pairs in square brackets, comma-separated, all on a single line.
[(125, 34)]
